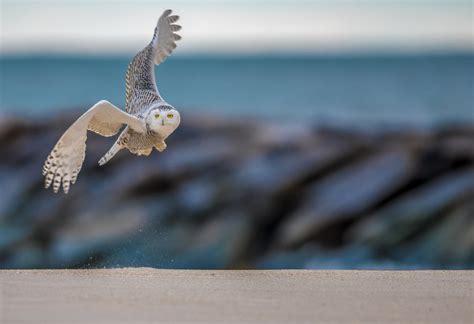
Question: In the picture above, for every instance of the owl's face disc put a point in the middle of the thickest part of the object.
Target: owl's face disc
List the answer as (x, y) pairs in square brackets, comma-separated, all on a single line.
[(163, 120)]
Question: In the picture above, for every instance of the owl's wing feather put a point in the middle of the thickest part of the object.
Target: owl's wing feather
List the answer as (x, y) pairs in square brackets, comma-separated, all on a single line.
[(164, 38), (141, 90), (65, 160)]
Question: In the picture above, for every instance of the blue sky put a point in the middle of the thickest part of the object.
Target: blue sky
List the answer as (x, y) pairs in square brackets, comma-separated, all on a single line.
[(94, 27)]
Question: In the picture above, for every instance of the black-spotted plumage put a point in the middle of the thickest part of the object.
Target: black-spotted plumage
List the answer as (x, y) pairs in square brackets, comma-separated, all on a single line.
[(140, 88)]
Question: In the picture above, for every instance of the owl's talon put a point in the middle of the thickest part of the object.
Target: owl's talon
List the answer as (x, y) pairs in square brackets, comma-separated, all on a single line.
[(161, 146)]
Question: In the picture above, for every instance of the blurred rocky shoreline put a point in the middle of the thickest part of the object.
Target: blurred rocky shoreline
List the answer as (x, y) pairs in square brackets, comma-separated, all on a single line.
[(230, 193)]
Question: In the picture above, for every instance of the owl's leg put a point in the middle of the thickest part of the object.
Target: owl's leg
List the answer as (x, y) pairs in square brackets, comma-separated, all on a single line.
[(110, 154), (160, 146)]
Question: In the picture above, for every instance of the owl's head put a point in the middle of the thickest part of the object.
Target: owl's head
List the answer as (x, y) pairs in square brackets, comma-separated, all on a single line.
[(163, 119)]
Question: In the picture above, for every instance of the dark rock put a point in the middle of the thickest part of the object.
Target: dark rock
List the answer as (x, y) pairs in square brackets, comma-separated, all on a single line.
[(234, 193), (26, 256), (11, 235), (411, 212), (197, 197), (288, 259), (348, 193), (271, 173), (92, 233), (450, 243), (219, 243)]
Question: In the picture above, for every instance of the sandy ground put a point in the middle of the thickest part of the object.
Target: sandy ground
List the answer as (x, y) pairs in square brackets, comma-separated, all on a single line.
[(151, 296)]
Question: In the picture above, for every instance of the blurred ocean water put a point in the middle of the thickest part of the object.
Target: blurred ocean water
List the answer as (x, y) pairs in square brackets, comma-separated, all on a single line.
[(362, 91)]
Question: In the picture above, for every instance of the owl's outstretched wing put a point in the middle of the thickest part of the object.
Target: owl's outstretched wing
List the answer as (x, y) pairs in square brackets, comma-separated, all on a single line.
[(141, 90), (164, 38), (65, 160)]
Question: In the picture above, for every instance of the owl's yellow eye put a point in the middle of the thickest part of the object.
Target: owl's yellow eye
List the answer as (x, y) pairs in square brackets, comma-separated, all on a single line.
[(157, 116), (169, 115)]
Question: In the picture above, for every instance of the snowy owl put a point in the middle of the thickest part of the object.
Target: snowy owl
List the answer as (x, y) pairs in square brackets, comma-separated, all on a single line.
[(149, 120)]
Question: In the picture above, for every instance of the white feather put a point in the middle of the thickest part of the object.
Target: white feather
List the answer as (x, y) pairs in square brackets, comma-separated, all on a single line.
[(65, 160), (164, 39)]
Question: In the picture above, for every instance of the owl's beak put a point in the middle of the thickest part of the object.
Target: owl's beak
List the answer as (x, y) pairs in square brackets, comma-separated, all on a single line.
[(162, 122)]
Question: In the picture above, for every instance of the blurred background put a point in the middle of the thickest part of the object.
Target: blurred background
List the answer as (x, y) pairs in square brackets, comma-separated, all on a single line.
[(315, 134)]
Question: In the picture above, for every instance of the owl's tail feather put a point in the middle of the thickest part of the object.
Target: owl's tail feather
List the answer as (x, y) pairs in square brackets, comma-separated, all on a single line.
[(110, 154)]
